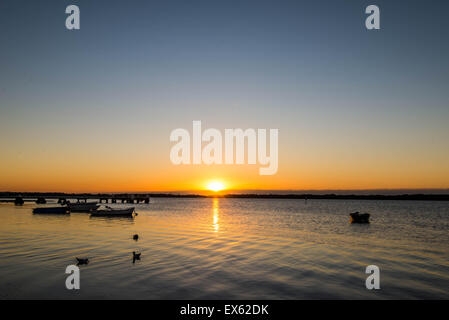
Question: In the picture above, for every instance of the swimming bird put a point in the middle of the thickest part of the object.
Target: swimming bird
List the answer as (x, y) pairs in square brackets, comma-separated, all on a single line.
[(136, 237), (136, 256), (82, 261)]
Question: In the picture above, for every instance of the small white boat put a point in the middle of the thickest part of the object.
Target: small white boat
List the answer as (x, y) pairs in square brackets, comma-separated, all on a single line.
[(82, 207), (113, 212)]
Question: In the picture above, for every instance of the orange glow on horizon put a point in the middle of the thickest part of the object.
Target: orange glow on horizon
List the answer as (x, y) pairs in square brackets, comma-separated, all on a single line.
[(82, 172)]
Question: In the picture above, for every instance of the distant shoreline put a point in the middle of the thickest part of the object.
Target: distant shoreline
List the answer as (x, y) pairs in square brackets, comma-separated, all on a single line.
[(330, 196)]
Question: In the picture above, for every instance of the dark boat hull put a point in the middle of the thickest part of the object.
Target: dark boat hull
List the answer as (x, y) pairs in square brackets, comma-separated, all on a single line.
[(52, 210), (359, 218)]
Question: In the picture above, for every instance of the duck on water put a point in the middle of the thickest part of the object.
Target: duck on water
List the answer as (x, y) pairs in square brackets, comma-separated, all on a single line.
[(82, 261)]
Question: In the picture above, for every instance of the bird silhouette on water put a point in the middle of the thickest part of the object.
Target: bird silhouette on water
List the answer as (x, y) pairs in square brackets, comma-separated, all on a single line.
[(136, 256), (82, 261)]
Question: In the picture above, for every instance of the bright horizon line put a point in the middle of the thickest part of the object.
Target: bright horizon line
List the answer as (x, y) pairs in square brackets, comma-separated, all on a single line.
[(247, 191)]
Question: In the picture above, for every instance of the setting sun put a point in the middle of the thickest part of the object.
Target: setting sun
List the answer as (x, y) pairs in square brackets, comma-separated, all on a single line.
[(215, 186)]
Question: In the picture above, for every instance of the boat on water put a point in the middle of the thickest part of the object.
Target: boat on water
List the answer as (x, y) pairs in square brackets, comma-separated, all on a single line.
[(357, 217), (41, 200), (82, 207), (113, 212), (52, 210)]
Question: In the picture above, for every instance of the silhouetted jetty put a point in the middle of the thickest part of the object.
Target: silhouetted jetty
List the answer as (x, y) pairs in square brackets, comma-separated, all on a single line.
[(18, 201), (64, 198)]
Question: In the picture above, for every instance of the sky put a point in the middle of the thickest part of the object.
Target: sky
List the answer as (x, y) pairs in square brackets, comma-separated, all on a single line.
[(92, 109)]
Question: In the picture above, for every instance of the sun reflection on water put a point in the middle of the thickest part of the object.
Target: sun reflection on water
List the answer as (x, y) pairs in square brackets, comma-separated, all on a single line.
[(215, 208)]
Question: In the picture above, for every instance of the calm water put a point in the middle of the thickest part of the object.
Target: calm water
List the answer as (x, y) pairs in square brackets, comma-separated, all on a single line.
[(230, 249)]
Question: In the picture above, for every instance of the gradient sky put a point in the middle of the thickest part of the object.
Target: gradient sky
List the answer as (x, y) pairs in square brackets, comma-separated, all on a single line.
[(92, 110)]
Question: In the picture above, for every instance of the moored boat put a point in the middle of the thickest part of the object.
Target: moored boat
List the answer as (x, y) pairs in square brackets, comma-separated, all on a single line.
[(113, 212), (82, 207), (357, 217), (41, 200), (52, 210)]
